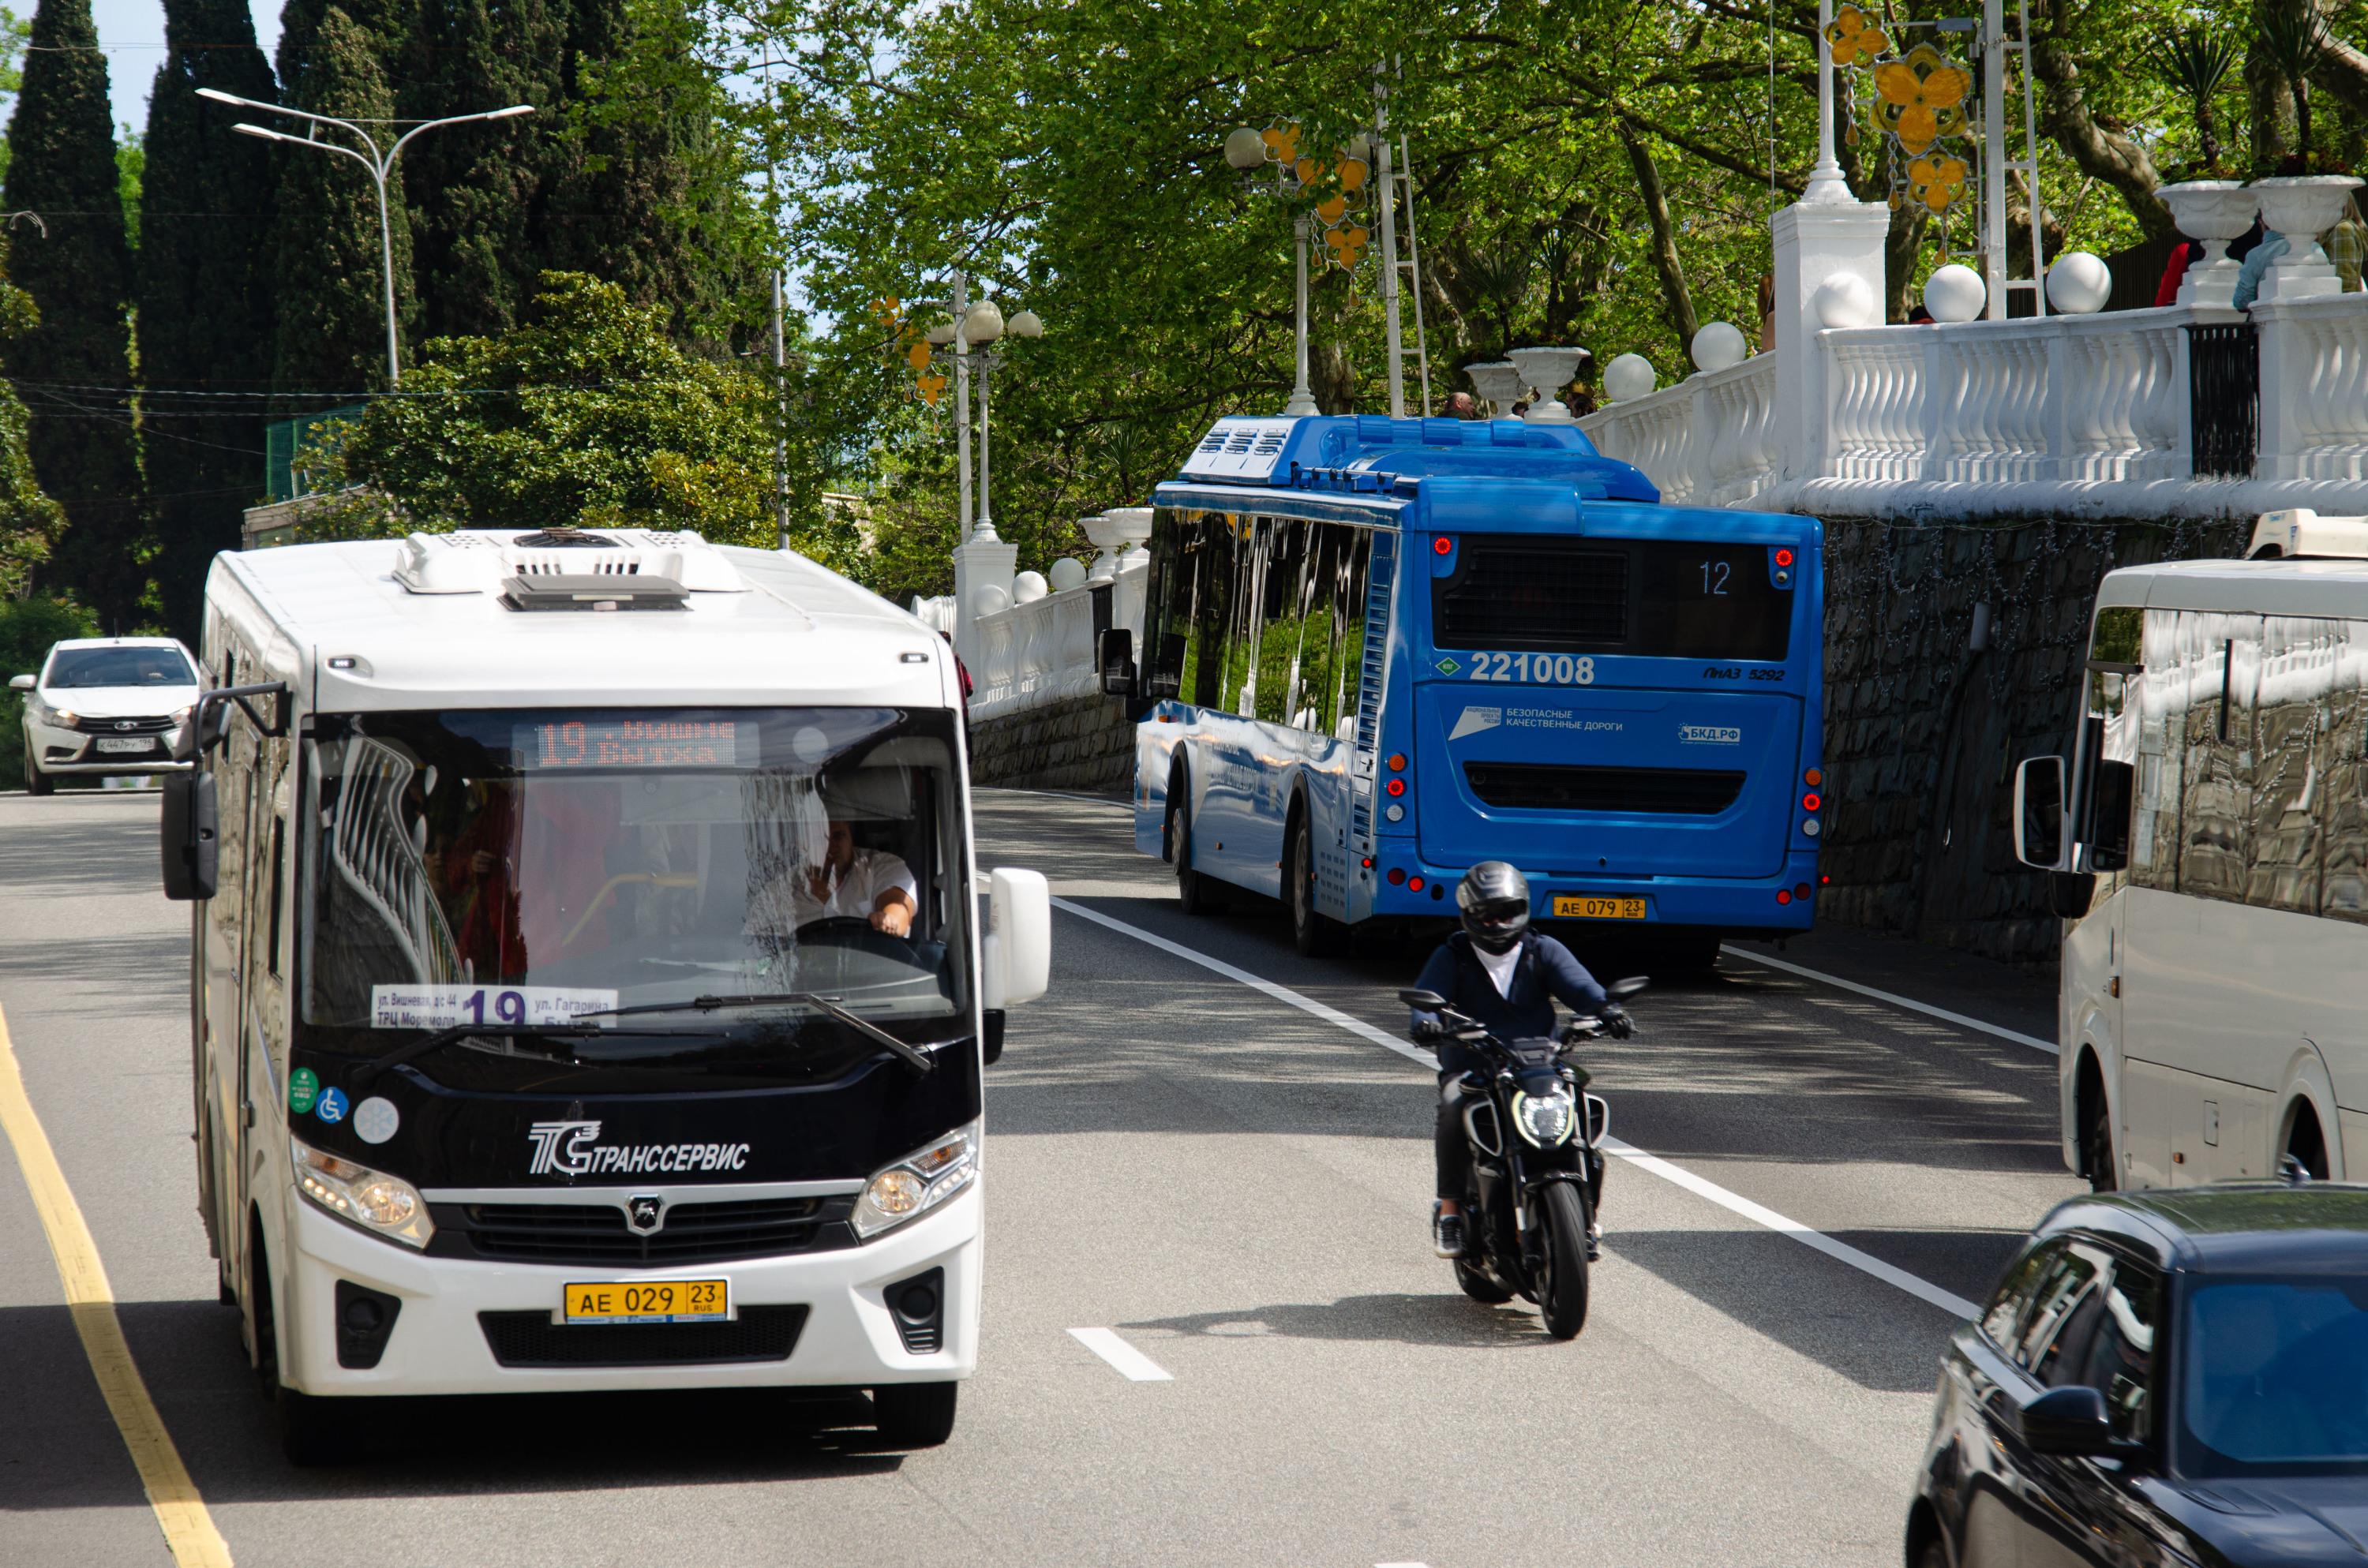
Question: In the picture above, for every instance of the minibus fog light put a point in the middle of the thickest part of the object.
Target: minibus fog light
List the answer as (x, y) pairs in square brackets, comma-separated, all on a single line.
[(917, 1183), (373, 1200)]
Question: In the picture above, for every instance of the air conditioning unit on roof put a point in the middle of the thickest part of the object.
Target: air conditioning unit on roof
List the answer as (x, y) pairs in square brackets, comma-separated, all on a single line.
[(2299, 532), (478, 560)]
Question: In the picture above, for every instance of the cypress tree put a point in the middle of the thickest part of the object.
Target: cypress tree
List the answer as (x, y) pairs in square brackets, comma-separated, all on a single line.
[(477, 189), (330, 337), (632, 193), (73, 369), (205, 293)]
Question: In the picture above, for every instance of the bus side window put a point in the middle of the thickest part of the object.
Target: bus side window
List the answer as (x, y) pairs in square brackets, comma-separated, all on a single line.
[(1212, 590), (2161, 758), (2283, 847), (1348, 619), (2220, 656), (1166, 654), (278, 888), (2342, 753), (1280, 620)]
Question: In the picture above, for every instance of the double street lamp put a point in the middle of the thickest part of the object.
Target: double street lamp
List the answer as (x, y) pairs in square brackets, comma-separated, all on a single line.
[(969, 340), (380, 164)]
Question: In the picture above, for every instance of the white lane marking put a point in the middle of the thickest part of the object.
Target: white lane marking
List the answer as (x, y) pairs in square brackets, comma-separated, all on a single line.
[(1923, 1289), (1282, 993), (1132, 1364), (1963, 1022), (1701, 1187)]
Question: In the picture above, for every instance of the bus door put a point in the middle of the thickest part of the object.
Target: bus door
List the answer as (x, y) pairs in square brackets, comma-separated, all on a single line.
[(2189, 1025)]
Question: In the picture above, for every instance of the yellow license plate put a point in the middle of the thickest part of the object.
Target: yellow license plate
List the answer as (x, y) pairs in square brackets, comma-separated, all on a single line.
[(647, 1301), (1570, 908)]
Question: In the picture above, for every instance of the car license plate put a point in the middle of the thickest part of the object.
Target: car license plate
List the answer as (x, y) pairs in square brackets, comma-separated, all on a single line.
[(124, 743), (647, 1301), (1567, 907)]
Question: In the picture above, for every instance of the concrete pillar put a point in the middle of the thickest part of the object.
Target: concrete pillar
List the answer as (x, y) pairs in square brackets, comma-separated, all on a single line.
[(1816, 242), (980, 565)]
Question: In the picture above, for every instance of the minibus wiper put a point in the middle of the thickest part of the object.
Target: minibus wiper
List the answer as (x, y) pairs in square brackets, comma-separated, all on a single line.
[(826, 1004), (458, 1032)]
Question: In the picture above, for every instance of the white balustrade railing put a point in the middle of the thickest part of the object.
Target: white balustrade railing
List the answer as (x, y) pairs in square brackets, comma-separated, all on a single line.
[(1042, 651), (2314, 388), (1709, 441)]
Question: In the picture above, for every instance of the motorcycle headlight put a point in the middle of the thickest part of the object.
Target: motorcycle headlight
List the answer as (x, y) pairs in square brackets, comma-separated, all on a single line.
[(382, 1204), (1544, 1120), (918, 1183)]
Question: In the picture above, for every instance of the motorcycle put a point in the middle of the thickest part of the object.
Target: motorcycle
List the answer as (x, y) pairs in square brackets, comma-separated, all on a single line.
[(1529, 1213)]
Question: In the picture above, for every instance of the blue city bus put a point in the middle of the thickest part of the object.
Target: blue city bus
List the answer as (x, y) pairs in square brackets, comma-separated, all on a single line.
[(1379, 651)]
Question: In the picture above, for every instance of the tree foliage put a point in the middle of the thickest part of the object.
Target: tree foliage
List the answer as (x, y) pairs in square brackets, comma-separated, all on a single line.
[(586, 413), (205, 294), (73, 366)]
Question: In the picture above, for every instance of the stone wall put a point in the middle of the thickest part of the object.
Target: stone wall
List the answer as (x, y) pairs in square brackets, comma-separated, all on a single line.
[(1085, 743), (1923, 728)]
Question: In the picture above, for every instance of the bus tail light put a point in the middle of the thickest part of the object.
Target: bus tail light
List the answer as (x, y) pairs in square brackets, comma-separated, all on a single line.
[(1813, 777), (1415, 884), (1783, 895), (1395, 787), (1397, 876), (1803, 891), (1812, 801)]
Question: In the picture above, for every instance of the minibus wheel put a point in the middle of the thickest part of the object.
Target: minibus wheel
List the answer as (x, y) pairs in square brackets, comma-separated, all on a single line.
[(1311, 932), (914, 1416), (1195, 891)]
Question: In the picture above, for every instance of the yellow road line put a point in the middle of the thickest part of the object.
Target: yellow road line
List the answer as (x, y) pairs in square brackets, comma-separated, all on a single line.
[(188, 1529)]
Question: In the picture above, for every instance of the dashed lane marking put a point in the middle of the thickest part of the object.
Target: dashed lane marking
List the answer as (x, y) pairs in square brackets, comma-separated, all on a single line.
[(188, 1529), (1701, 1187), (1132, 1364), (1929, 1011)]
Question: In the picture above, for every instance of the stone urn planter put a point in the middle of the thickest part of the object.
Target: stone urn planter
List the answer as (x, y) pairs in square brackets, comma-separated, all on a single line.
[(2301, 208), (2212, 212), (1116, 533), (1547, 371)]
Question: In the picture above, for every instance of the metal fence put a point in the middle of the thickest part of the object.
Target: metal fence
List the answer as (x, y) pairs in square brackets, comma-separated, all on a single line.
[(2224, 389)]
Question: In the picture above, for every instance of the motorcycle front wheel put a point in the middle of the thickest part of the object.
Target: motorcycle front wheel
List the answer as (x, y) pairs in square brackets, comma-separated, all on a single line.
[(1562, 1285)]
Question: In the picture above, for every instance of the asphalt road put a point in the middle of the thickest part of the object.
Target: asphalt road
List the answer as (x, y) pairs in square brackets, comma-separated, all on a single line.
[(1237, 1186)]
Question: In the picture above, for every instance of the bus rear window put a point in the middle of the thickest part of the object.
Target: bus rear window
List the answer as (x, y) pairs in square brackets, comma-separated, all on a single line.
[(1659, 598)]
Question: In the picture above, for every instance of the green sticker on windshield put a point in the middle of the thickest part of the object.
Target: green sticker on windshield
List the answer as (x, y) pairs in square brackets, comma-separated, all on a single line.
[(303, 1089)]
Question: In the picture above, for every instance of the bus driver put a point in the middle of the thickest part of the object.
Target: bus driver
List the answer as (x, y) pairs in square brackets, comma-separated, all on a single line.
[(853, 883)]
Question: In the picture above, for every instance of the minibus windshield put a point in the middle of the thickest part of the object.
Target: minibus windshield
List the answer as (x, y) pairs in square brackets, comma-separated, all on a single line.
[(517, 868)]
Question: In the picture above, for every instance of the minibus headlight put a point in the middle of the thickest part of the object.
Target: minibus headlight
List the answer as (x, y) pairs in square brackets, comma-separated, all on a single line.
[(917, 1183), (382, 1204)]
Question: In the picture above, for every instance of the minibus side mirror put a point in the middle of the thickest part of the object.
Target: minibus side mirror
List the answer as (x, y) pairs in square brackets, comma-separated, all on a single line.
[(189, 836), (1016, 954), (21, 683), (2109, 832), (2039, 813), (1117, 660)]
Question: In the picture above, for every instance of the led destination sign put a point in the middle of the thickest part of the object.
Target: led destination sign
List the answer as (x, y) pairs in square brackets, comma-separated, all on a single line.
[(630, 743)]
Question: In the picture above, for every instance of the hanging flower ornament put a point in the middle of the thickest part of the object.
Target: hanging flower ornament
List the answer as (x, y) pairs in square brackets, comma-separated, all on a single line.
[(1922, 98), (1937, 183), (1855, 38)]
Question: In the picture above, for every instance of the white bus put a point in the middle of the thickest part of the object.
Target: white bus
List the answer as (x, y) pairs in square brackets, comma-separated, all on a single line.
[(586, 985), (2210, 837)]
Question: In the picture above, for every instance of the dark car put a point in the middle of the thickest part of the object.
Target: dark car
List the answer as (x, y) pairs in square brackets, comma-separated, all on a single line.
[(2161, 1378)]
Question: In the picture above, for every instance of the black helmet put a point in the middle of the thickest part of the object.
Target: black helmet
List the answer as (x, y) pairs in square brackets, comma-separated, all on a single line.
[(1494, 898)]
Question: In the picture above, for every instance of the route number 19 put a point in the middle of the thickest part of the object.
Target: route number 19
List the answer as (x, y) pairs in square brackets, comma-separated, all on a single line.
[(509, 1006)]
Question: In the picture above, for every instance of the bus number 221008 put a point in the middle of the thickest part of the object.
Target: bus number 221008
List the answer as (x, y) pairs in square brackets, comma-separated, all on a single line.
[(1542, 669)]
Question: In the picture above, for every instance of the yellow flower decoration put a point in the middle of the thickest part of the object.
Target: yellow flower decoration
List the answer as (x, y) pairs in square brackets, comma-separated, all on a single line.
[(1282, 143), (1937, 183), (1854, 38), (1922, 98), (1346, 242)]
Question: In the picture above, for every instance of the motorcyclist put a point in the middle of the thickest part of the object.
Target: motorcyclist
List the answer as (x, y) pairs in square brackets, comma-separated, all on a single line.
[(1506, 977)]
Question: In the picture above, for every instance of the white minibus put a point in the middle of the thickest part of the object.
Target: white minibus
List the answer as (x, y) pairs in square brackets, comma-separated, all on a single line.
[(587, 991), (2210, 841)]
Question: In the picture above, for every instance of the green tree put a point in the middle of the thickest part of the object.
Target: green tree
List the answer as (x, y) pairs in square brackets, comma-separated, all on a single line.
[(74, 368), (205, 294), (330, 337), (585, 414)]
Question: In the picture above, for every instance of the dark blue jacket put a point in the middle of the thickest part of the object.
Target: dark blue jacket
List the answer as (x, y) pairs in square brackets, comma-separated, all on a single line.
[(1546, 973)]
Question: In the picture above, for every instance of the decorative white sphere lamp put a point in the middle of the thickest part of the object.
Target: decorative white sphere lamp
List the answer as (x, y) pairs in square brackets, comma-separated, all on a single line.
[(1955, 292), (1628, 378), (1720, 346)]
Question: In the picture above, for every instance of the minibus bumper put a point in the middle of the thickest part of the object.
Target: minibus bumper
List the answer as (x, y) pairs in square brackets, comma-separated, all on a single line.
[(438, 1346)]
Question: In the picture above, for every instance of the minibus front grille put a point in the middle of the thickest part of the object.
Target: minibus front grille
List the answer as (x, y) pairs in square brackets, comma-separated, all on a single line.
[(1538, 787), (531, 1339), (595, 1233)]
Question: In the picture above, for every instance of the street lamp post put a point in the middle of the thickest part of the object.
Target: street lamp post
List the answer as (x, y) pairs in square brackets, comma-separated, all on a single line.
[(1246, 151), (379, 164), (970, 346)]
